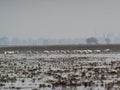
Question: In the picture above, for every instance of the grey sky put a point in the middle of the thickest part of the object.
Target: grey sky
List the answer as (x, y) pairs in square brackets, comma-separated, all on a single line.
[(58, 18)]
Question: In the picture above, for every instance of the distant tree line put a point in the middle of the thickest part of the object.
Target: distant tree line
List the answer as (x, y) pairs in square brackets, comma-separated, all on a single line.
[(4, 41), (93, 40), (17, 41)]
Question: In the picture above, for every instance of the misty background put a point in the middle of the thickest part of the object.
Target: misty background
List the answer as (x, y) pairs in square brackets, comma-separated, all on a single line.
[(41, 22)]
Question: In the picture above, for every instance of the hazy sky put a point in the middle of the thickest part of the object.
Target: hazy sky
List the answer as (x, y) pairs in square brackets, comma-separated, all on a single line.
[(58, 18)]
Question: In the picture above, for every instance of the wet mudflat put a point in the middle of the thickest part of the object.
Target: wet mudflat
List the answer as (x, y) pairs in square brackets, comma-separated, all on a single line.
[(60, 70)]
